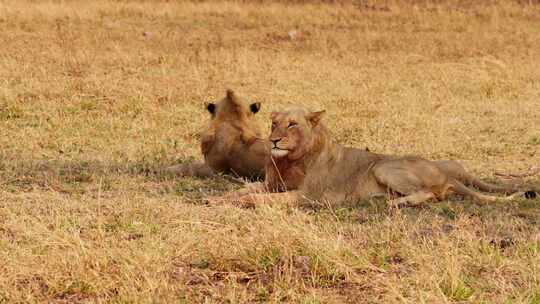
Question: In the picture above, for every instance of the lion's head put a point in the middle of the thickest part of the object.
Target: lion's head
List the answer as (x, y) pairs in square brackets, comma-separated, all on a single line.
[(232, 107), (294, 132), (233, 112)]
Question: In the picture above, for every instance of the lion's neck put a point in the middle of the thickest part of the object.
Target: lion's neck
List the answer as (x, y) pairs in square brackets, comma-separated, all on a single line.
[(322, 146), (283, 174)]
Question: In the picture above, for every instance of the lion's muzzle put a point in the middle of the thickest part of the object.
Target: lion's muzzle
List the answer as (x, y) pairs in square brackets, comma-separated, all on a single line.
[(276, 150)]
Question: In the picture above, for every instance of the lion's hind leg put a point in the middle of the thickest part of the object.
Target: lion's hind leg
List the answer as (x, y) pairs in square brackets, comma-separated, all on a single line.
[(413, 199), (417, 181)]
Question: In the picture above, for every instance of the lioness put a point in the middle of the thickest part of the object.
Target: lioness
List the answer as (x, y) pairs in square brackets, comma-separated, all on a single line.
[(232, 142), (306, 163)]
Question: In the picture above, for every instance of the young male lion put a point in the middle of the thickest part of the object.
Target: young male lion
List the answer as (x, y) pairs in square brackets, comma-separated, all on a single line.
[(306, 163), (231, 144)]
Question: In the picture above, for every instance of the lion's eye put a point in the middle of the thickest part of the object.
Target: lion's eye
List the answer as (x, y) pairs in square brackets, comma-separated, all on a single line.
[(292, 124), (273, 125)]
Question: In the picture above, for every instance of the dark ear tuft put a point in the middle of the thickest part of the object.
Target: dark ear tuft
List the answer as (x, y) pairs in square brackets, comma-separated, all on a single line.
[(255, 107), (230, 94), (315, 117), (211, 107)]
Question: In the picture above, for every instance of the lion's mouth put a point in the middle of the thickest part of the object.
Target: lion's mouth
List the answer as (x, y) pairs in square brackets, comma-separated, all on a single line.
[(277, 152)]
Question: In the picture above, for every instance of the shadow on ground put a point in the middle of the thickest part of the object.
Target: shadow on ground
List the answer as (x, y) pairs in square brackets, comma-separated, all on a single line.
[(80, 177)]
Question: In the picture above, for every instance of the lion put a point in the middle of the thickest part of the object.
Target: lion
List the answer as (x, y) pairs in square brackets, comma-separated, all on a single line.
[(306, 164), (232, 143)]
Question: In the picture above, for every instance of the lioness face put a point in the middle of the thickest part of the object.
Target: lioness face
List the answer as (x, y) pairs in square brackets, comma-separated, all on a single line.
[(232, 107), (292, 132)]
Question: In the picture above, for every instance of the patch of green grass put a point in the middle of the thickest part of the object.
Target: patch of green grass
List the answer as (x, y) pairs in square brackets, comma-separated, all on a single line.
[(262, 295), (311, 299), (534, 141), (456, 290), (529, 249), (448, 212), (529, 204), (79, 288), (11, 112), (201, 263), (534, 298), (268, 258)]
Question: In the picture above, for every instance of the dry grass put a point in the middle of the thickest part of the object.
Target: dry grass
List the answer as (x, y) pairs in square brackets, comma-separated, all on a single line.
[(94, 94)]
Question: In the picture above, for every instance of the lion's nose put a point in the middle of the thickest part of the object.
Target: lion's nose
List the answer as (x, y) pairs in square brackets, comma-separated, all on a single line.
[(275, 141)]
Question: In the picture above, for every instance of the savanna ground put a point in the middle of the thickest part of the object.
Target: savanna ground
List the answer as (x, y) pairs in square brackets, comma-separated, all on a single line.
[(95, 95)]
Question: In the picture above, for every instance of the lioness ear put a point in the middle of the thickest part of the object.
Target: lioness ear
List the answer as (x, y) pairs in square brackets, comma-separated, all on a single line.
[(211, 107), (255, 107), (315, 117)]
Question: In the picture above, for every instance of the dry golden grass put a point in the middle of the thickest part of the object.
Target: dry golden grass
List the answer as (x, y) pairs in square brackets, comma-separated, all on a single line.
[(95, 94)]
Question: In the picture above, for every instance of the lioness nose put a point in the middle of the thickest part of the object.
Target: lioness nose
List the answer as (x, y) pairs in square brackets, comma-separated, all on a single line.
[(275, 141)]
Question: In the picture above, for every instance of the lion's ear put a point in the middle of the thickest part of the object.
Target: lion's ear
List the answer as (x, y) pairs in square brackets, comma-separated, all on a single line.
[(255, 107), (211, 107), (315, 117)]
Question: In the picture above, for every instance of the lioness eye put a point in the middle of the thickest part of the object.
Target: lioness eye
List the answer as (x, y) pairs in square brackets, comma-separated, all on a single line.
[(273, 125), (292, 124)]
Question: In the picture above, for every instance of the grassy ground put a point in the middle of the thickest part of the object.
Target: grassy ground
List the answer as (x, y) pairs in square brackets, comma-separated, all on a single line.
[(95, 94)]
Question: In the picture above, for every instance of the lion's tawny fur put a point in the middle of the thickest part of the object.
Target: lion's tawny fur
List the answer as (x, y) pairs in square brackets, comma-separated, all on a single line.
[(232, 142), (305, 160)]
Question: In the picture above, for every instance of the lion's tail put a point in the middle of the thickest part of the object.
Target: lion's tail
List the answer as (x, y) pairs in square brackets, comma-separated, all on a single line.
[(506, 189), (487, 187), (458, 172), (460, 188)]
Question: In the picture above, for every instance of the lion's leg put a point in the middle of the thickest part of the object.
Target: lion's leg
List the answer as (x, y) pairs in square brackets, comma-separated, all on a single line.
[(284, 198), (249, 188), (409, 179), (198, 169), (398, 178), (412, 199)]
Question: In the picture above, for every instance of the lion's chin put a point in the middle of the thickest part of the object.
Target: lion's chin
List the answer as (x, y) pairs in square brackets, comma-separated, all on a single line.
[(279, 152)]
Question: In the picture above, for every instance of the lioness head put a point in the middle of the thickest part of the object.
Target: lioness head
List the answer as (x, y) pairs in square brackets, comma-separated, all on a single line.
[(293, 132), (232, 107)]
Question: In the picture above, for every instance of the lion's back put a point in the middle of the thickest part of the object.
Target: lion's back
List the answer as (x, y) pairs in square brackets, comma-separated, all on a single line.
[(226, 152)]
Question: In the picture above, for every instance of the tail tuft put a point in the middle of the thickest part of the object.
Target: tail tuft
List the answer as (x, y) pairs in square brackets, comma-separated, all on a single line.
[(530, 194)]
